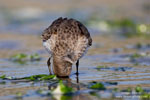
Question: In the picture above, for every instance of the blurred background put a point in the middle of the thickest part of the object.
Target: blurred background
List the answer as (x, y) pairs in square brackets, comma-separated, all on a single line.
[(31, 17)]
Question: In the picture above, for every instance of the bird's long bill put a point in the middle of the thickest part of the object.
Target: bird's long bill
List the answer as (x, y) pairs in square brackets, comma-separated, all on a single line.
[(61, 67)]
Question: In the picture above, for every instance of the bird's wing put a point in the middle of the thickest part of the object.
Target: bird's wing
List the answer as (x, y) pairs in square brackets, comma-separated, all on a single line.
[(85, 32), (49, 37), (52, 29), (84, 40)]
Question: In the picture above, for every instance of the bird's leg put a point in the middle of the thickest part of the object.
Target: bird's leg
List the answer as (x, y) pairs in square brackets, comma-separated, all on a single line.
[(77, 75), (49, 65), (77, 65), (77, 80)]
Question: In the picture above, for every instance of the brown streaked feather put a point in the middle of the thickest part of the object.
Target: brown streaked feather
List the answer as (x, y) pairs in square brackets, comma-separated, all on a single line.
[(52, 29), (85, 32), (70, 36)]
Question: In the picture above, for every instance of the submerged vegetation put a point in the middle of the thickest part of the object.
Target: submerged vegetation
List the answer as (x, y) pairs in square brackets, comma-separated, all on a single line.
[(126, 27), (62, 89), (96, 85), (101, 67), (22, 58), (121, 68), (60, 92), (142, 46), (145, 96), (138, 91), (40, 77), (135, 56)]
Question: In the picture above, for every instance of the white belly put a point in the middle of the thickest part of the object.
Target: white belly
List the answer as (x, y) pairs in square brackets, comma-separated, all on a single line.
[(47, 46)]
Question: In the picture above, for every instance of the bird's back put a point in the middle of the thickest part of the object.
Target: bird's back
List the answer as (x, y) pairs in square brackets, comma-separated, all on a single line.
[(67, 38)]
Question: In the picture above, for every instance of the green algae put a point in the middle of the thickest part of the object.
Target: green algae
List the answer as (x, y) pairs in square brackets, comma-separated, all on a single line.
[(96, 86), (22, 58), (40, 77)]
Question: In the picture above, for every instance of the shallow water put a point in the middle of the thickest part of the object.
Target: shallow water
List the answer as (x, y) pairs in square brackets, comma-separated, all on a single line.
[(109, 61), (117, 71)]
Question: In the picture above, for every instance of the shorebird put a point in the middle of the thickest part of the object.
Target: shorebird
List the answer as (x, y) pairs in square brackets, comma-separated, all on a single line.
[(66, 40)]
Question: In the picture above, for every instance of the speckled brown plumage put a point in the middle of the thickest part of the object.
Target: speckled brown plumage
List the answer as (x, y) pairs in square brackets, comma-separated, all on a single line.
[(66, 40)]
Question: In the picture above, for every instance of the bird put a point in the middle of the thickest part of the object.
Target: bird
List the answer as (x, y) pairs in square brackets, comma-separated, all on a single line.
[(66, 41)]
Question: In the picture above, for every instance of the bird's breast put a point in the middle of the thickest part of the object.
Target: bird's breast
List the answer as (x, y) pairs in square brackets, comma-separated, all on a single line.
[(47, 46)]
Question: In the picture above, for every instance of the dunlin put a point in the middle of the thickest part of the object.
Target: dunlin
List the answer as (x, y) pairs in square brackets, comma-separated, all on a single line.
[(66, 40)]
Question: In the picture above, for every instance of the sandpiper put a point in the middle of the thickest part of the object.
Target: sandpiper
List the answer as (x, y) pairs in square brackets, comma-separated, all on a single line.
[(66, 40)]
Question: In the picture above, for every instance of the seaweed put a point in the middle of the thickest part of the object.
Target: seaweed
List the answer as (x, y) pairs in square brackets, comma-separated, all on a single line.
[(101, 67), (145, 96), (22, 58), (125, 26), (40, 77), (96, 86), (139, 89), (62, 89), (60, 92)]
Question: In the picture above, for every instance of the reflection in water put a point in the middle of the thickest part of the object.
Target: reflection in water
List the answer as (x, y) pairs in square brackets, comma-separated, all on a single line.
[(71, 96), (67, 81), (78, 84)]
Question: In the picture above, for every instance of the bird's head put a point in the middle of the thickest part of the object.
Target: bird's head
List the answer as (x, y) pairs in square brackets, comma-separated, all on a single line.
[(62, 66)]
